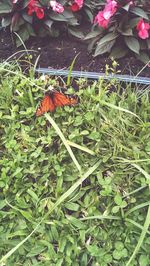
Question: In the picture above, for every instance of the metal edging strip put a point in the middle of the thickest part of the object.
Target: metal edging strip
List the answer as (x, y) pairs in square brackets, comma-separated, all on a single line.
[(94, 75)]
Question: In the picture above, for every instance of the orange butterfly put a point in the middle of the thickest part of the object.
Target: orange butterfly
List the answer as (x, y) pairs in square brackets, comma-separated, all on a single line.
[(54, 99)]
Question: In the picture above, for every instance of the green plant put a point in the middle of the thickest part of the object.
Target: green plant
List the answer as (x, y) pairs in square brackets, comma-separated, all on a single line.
[(39, 18), (118, 31), (64, 174)]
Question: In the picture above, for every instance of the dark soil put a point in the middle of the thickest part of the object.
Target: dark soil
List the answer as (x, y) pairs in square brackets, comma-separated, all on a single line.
[(59, 53)]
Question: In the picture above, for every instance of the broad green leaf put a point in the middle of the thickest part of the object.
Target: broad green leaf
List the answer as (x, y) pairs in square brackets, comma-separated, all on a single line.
[(24, 35), (118, 51), (105, 44), (139, 11), (27, 215), (76, 222), (118, 199), (103, 48), (33, 195), (59, 17), (95, 251), (127, 32), (144, 260), (93, 34), (132, 43), (107, 38), (36, 251), (72, 206), (27, 18), (133, 22), (89, 14), (76, 33), (5, 7)]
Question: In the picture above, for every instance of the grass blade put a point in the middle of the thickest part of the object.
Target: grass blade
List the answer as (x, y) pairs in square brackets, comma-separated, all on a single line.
[(137, 207), (100, 217), (136, 224), (52, 122), (141, 238), (79, 147), (70, 70), (119, 108)]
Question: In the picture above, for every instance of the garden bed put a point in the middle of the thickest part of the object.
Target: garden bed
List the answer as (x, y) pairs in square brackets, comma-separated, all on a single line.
[(59, 53)]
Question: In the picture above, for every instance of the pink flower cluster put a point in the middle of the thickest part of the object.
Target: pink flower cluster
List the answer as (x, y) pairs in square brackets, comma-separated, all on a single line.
[(143, 29), (77, 5), (33, 7), (56, 7), (103, 17)]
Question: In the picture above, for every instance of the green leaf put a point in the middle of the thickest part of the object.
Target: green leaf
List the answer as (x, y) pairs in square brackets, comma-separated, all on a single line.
[(24, 35), (36, 251), (5, 7), (27, 18), (94, 250), (93, 34), (105, 44), (118, 199), (117, 254), (115, 209), (74, 221), (133, 22), (72, 206), (107, 38), (144, 260), (127, 32), (133, 44), (76, 33), (118, 51), (139, 11), (89, 14), (119, 245), (33, 195), (104, 48), (27, 215)]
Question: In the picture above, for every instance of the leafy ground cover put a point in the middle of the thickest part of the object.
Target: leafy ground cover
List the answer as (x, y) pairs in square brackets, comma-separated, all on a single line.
[(117, 28), (74, 184)]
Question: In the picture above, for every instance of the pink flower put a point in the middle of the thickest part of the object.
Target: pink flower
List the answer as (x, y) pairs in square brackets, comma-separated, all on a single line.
[(14, 1), (33, 7), (56, 6), (74, 7), (131, 3), (143, 29), (100, 20), (77, 5), (110, 9), (104, 16)]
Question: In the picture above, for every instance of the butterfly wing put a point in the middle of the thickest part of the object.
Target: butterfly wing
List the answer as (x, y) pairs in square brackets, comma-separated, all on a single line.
[(46, 105), (60, 99)]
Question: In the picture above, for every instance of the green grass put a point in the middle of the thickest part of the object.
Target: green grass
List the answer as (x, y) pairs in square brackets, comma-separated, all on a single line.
[(74, 184)]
